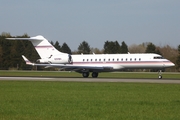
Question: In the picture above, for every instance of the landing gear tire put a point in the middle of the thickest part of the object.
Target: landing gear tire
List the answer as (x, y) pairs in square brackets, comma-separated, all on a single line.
[(95, 74), (85, 74), (160, 76)]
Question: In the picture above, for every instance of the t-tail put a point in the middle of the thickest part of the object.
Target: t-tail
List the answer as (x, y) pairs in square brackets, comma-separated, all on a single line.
[(42, 46), (47, 52)]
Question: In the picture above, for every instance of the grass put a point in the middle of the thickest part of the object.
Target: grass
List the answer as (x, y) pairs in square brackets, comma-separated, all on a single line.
[(79, 101), (139, 75)]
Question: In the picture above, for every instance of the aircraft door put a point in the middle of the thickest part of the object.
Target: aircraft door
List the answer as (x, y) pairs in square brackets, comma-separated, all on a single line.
[(70, 59)]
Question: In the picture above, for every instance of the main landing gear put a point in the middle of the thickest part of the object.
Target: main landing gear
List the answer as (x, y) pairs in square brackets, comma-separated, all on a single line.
[(86, 74)]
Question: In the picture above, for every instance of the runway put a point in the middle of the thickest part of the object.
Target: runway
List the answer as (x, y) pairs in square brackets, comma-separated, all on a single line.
[(165, 81)]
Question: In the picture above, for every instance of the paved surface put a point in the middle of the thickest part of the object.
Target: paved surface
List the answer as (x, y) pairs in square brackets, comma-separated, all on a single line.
[(91, 80)]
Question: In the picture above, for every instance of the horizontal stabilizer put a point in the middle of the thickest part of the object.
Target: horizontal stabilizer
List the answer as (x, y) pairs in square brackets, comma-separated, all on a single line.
[(26, 60), (39, 37)]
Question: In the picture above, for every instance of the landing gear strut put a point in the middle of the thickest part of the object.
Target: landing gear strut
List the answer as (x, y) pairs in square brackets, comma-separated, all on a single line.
[(160, 74)]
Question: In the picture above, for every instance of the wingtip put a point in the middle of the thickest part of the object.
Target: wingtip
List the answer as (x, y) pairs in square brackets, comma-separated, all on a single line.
[(26, 60), (10, 38)]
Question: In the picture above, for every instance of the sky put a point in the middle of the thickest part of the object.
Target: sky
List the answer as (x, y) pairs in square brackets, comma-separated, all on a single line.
[(94, 21)]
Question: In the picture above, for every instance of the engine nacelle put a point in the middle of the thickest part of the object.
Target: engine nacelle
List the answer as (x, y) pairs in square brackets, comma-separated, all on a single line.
[(45, 60), (57, 59)]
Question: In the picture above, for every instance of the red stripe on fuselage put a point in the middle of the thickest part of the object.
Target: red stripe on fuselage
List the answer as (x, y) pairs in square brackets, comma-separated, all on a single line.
[(125, 62)]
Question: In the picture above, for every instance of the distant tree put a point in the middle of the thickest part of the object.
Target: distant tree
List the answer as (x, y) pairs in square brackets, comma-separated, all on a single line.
[(179, 49), (65, 48), (178, 62), (151, 48), (158, 52), (15, 54), (1, 56), (117, 47), (137, 48), (11, 52), (108, 47), (1, 52), (84, 48), (178, 59), (5, 35), (124, 48), (6, 53), (111, 47), (57, 46), (25, 35), (52, 43), (96, 51)]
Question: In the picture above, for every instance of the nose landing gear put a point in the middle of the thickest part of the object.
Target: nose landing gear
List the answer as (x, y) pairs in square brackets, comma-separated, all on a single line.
[(160, 74)]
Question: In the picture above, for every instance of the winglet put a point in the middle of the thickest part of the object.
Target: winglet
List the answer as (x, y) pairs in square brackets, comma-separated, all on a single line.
[(26, 60)]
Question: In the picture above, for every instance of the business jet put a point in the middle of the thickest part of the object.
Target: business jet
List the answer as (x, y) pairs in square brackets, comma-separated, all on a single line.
[(92, 63)]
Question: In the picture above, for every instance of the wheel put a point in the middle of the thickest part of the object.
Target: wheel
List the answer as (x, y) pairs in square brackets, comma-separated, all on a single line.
[(85, 74), (95, 74), (160, 76)]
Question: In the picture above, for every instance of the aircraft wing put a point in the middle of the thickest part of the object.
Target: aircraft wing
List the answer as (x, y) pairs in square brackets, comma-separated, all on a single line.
[(70, 67)]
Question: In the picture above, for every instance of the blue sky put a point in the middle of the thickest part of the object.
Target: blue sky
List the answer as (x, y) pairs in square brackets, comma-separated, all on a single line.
[(95, 21)]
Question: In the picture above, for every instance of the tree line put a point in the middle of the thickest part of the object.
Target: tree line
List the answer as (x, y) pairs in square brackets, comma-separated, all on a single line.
[(11, 51)]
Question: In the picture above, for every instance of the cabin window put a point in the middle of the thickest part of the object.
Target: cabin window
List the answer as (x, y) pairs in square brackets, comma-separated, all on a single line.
[(99, 59), (134, 59), (109, 59), (117, 59), (83, 59), (87, 59), (121, 59), (95, 59), (126, 59), (130, 59), (104, 59), (91, 59), (139, 59)]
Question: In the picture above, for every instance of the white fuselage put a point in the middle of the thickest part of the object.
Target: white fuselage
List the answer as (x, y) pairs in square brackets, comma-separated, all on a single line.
[(118, 61)]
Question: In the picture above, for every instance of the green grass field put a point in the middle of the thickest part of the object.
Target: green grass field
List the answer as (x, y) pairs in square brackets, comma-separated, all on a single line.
[(41, 100), (80, 101)]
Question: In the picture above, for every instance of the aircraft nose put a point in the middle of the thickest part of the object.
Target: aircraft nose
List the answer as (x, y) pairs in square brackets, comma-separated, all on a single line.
[(172, 64), (169, 64)]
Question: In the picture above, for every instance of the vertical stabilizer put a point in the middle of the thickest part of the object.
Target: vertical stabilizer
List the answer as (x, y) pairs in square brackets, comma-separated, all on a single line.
[(43, 47)]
